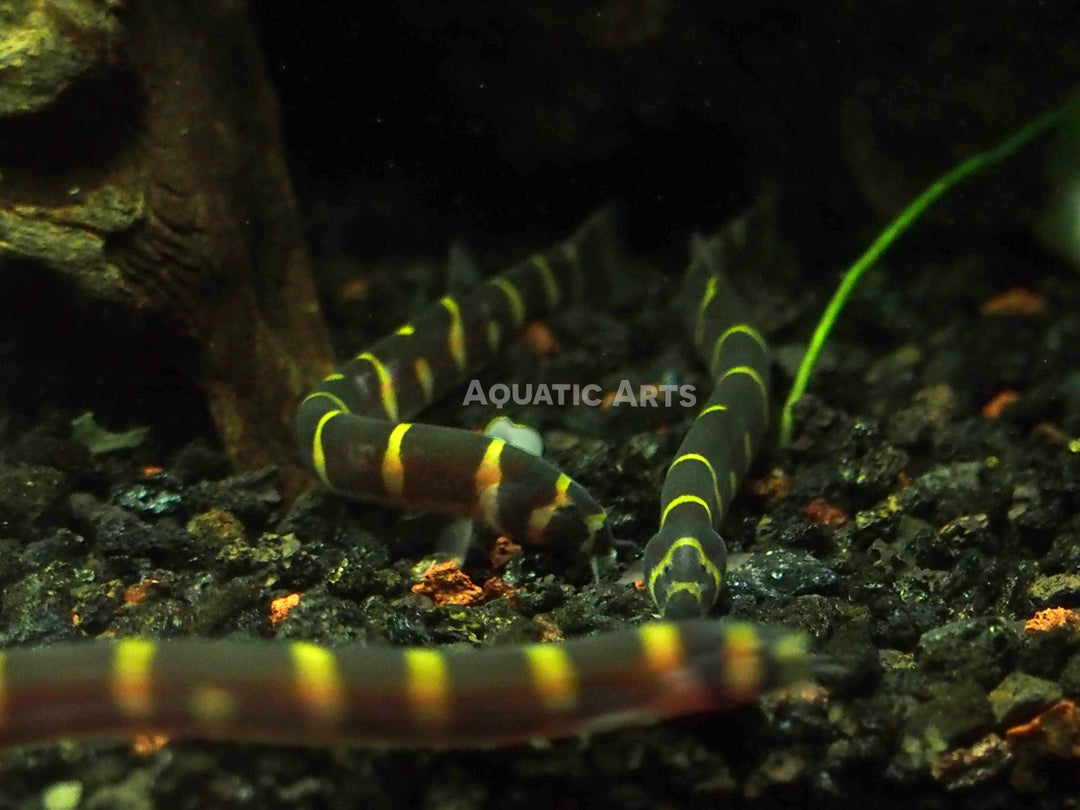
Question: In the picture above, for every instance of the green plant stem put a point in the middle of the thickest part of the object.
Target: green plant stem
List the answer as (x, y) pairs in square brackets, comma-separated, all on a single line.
[(897, 227)]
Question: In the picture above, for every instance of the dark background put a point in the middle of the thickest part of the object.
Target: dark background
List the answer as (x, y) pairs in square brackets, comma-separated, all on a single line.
[(411, 123)]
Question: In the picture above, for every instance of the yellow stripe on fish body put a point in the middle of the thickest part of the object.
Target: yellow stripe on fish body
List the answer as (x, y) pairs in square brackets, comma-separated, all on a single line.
[(393, 468), (318, 682), (541, 516), (488, 478), (517, 306), (553, 676), (455, 335), (386, 385), (132, 677), (318, 453), (428, 686), (662, 646), (743, 673), (425, 377), (706, 299), (551, 287), (718, 502), (739, 329)]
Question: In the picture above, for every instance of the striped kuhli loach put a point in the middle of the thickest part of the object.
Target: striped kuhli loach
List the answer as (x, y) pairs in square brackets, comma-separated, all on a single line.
[(685, 559), (300, 693), (354, 441)]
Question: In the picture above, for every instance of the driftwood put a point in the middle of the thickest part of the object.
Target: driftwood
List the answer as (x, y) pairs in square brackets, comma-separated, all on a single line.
[(141, 161)]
